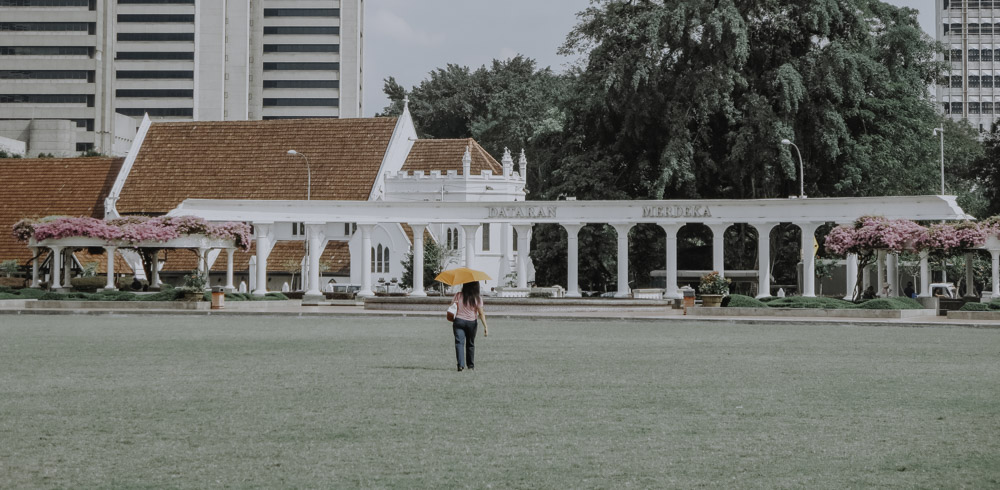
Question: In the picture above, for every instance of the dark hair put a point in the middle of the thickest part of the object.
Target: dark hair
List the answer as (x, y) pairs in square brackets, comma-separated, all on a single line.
[(470, 293)]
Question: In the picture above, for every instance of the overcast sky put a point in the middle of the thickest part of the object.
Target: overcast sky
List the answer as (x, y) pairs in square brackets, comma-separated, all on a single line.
[(407, 39)]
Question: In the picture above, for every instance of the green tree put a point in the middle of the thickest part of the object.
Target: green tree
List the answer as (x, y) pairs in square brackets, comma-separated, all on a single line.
[(983, 198), (435, 257)]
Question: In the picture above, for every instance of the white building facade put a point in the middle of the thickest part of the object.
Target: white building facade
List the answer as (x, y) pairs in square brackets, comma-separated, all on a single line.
[(970, 32), (87, 60)]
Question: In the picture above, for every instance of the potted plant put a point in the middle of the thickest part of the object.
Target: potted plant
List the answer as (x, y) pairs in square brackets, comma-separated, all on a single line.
[(713, 287), (194, 287)]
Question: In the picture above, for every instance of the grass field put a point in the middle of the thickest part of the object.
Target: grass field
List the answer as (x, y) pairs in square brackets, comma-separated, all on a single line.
[(195, 402)]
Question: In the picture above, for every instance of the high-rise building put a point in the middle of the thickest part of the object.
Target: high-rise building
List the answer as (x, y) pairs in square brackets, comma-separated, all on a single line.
[(970, 31), (87, 60)]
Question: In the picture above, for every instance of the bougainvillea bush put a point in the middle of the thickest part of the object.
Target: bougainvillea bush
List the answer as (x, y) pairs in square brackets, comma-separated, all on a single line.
[(869, 235), (131, 230)]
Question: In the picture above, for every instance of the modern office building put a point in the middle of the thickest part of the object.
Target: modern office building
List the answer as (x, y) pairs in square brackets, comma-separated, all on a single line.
[(205, 60), (970, 30)]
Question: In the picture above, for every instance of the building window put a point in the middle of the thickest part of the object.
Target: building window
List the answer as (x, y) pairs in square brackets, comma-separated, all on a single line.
[(47, 99), (973, 55), (301, 83), (289, 102), (144, 74), (155, 55), (156, 36), (956, 55), (157, 18), (84, 146), (486, 237), (956, 107), (157, 112), (986, 81), (380, 259), (452, 239), (986, 55), (301, 66), (301, 30), (46, 51), (956, 81), (973, 107), (88, 27), (350, 228), (44, 3), (45, 74), (973, 29), (515, 240), (385, 260), (973, 81), (298, 229), (155, 93), (301, 48), (986, 29), (947, 108), (987, 107), (301, 12)]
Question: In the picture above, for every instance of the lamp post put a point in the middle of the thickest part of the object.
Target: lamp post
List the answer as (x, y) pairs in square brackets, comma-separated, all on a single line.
[(940, 131), (802, 184), (308, 173)]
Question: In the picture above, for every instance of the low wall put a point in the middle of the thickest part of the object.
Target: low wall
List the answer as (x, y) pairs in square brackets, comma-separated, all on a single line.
[(14, 303), (809, 312), (117, 305), (494, 304), (974, 315)]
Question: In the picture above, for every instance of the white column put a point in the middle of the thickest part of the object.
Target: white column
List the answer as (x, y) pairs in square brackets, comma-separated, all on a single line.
[(67, 268), (808, 259), (34, 267), (572, 259), (880, 273), (203, 264), (418, 259), (229, 270), (764, 258), (264, 244), (154, 281), (925, 275), (523, 232), (470, 243), (110, 286), (892, 273), (55, 268), (970, 276), (622, 229), (366, 260), (719, 247), (852, 276), (996, 273), (670, 288), (317, 240)]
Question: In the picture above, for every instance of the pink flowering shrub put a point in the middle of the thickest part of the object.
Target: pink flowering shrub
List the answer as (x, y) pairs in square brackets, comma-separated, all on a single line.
[(946, 238), (132, 229), (872, 233)]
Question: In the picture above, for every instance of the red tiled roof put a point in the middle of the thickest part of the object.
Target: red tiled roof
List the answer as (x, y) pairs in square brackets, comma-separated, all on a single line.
[(284, 256), (446, 154), (39, 187), (121, 265), (250, 160)]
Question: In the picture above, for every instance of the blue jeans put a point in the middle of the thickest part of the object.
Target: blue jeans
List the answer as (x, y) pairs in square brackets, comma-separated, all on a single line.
[(465, 342)]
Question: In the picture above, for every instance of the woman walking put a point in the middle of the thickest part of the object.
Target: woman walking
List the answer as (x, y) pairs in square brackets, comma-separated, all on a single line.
[(470, 307)]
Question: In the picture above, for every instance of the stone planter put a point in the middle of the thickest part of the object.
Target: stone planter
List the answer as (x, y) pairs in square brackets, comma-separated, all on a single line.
[(193, 296), (711, 300)]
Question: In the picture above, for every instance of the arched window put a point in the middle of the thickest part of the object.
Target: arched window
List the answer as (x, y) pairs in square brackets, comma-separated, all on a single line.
[(515, 240), (452, 241), (373, 259), (385, 260)]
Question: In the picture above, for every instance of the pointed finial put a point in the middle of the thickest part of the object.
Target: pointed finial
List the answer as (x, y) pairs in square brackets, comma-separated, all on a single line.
[(406, 102), (508, 163), (522, 165), (467, 163)]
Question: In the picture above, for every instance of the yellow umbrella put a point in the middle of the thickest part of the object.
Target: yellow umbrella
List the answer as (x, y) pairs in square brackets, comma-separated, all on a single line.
[(461, 275)]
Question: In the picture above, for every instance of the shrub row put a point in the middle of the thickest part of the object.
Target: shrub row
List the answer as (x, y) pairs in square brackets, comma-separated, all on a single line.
[(900, 303), (991, 306)]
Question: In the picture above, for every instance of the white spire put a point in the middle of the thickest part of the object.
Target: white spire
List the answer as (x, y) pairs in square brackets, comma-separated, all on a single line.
[(406, 103), (508, 163), (522, 165), (467, 163)]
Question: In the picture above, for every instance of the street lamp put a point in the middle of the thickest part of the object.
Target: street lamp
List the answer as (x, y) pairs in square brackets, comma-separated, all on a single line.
[(308, 173), (802, 184), (941, 132)]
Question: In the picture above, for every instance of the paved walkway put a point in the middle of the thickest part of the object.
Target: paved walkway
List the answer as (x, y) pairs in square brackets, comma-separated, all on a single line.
[(294, 309)]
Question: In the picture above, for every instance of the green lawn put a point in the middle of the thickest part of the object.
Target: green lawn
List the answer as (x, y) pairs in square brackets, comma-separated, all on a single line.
[(195, 402)]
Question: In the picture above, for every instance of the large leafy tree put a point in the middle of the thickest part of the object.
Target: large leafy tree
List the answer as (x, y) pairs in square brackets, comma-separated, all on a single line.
[(984, 173), (691, 98)]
